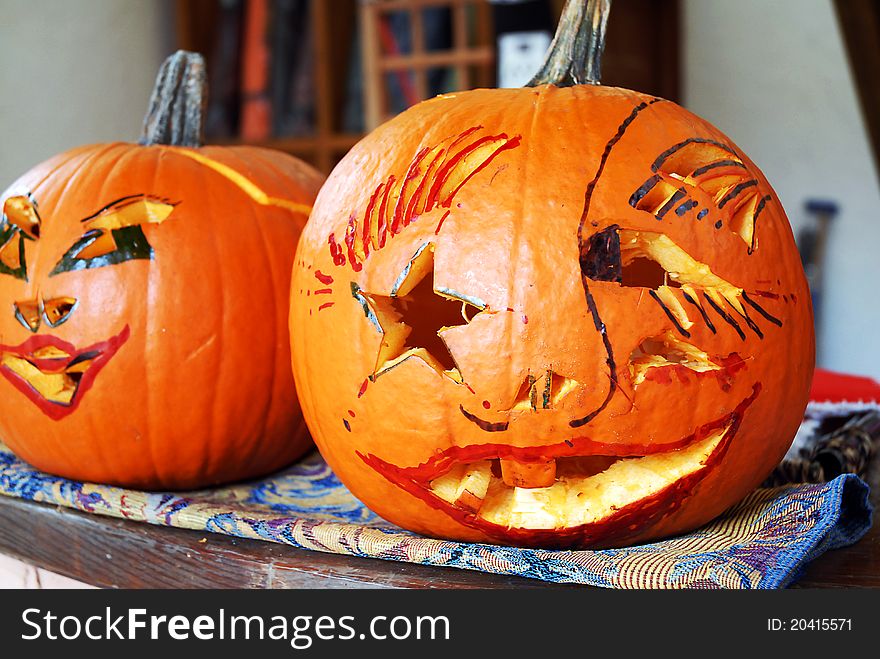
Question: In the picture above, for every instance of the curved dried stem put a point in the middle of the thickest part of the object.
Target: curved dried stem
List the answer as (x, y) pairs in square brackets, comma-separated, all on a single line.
[(575, 55), (176, 114)]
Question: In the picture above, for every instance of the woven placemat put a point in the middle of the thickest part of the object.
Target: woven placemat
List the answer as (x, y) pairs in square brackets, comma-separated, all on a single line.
[(763, 542)]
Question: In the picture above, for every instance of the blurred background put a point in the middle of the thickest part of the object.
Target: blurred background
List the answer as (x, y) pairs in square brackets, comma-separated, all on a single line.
[(790, 81)]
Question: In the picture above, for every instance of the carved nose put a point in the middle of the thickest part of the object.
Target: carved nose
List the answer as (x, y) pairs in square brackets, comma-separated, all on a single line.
[(543, 392), (54, 311)]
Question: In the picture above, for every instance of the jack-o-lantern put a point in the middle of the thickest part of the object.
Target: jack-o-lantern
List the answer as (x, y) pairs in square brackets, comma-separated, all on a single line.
[(144, 335), (563, 316)]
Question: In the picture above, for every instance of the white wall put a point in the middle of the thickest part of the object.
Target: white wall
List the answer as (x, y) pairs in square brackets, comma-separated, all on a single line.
[(773, 75), (75, 72)]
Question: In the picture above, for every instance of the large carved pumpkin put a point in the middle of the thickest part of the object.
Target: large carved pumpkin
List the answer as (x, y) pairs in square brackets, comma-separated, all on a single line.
[(560, 316), (144, 334)]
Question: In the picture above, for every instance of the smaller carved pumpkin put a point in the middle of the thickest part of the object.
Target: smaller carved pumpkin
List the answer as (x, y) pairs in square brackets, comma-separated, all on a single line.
[(144, 341)]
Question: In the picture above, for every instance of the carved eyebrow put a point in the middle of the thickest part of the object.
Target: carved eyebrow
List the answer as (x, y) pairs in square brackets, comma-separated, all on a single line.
[(114, 204), (154, 211), (114, 234), (434, 177), (701, 148), (716, 170)]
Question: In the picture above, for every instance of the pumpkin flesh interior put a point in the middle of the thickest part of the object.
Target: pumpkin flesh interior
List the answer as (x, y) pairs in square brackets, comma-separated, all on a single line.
[(585, 489), (667, 350)]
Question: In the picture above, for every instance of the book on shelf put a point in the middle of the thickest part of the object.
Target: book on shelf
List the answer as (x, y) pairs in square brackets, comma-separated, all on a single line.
[(292, 68), (256, 106), (223, 100)]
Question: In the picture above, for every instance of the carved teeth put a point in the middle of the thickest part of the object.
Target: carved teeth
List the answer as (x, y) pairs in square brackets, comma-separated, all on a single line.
[(528, 474), (464, 485)]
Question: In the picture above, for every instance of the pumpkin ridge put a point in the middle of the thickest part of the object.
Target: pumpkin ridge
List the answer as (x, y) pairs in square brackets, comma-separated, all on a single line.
[(57, 163), (267, 414), (265, 157), (247, 186), (149, 318)]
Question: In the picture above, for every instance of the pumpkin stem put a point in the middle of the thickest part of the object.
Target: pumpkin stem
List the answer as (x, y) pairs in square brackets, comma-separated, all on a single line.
[(176, 115), (575, 56)]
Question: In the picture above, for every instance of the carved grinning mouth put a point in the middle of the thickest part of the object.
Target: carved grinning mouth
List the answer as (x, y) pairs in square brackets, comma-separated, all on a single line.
[(53, 373), (588, 491)]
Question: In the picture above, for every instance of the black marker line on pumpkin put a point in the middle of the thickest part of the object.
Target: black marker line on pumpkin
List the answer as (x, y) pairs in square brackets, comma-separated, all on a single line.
[(735, 192), (730, 321), (545, 399), (130, 244), (685, 207), (702, 311), (760, 207), (757, 307), (691, 140), (669, 314), (582, 243), (644, 189), (719, 163), (677, 196), (8, 233), (482, 424), (752, 325)]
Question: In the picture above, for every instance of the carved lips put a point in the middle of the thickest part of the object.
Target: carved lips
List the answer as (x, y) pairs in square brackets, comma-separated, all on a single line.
[(54, 374), (467, 484)]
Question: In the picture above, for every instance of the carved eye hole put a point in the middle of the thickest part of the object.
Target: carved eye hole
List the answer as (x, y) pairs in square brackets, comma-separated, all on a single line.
[(644, 259), (21, 211), (414, 316), (20, 222), (114, 234)]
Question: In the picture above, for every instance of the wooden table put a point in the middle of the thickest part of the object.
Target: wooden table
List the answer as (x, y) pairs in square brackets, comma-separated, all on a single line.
[(108, 552)]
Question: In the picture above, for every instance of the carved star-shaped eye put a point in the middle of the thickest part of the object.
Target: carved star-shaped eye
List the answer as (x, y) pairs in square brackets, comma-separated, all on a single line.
[(414, 316)]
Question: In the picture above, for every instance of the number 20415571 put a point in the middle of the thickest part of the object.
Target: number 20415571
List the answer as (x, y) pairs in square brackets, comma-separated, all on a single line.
[(809, 624)]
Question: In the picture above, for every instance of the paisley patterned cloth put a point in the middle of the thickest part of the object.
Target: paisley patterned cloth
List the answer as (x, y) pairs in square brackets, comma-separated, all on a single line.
[(763, 542)]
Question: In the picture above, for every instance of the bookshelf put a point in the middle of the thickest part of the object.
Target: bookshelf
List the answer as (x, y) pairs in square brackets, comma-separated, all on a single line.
[(470, 54), (332, 26), (358, 74)]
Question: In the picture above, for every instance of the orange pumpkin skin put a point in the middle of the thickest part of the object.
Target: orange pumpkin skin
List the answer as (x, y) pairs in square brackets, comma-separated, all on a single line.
[(518, 226), (193, 386)]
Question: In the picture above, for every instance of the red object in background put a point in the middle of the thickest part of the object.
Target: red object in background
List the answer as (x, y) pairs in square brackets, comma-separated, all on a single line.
[(837, 387), (256, 110)]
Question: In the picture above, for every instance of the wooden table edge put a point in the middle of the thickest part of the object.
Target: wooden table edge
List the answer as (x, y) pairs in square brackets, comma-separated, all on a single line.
[(114, 553)]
